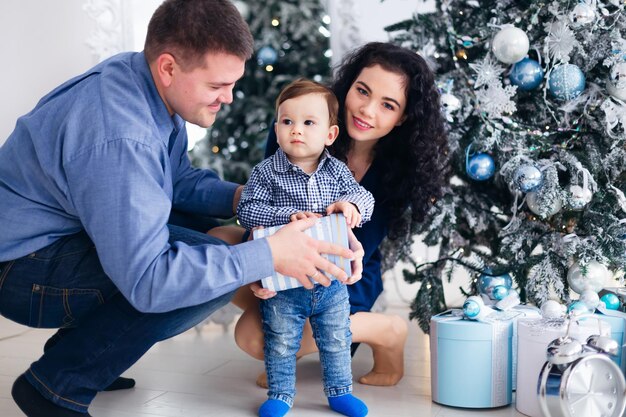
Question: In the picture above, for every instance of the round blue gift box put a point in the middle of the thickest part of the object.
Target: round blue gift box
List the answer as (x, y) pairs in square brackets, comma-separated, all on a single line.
[(470, 362)]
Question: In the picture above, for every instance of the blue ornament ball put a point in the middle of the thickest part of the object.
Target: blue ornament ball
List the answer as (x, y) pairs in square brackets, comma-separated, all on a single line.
[(500, 292), (267, 56), (471, 309), (578, 307), (611, 301), (528, 178), (480, 167), (566, 82), (489, 285), (526, 74)]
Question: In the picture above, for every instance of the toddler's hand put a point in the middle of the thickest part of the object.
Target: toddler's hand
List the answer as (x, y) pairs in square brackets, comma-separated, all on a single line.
[(349, 210), (260, 292), (303, 215)]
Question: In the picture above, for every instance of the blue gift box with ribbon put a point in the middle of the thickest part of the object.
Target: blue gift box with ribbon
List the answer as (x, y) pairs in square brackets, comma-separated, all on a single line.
[(471, 361)]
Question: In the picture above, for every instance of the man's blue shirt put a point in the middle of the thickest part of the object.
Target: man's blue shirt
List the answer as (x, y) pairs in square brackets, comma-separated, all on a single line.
[(102, 153)]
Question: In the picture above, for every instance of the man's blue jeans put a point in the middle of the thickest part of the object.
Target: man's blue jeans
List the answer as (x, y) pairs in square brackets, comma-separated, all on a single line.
[(284, 315), (63, 285)]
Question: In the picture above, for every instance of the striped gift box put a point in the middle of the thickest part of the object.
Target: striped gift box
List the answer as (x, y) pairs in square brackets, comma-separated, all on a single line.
[(332, 228)]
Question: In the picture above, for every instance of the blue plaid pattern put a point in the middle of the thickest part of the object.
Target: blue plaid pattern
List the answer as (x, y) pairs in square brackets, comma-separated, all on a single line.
[(277, 189)]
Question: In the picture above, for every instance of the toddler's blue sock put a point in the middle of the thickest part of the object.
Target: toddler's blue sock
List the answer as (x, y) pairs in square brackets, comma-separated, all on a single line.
[(348, 405), (273, 408)]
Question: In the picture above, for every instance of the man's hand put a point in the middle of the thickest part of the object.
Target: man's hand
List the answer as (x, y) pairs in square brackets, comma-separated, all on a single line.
[(297, 255), (304, 215), (349, 210)]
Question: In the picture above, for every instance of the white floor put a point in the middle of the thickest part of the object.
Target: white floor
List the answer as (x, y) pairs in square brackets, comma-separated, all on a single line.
[(201, 374)]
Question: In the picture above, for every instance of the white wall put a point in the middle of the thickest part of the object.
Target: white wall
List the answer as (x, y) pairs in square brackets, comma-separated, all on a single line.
[(354, 22), (47, 42), (43, 45)]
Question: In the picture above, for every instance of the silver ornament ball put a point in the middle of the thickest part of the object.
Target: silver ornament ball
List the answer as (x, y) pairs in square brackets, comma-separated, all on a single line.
[(510, 45), (531, 201), (552, 310), (595, 278), (616, 84), (582, 15), (590, 299), (578, 197)]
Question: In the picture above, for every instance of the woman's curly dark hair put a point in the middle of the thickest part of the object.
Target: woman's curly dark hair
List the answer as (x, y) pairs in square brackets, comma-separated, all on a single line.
[(414, 155)]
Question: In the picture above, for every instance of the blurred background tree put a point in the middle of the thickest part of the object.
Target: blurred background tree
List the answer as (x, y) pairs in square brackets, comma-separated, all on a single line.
[(291, 40)]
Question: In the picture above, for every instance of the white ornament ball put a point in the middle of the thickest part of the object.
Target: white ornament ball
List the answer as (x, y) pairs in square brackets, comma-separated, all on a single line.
[(531, 201), (510, 45), (594, 280), (243, 8), (552, 310), (616, 84), (582, 14), (450, 103), (579, 197), (590, 299)]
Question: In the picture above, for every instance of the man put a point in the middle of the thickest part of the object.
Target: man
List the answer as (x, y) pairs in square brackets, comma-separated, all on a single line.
[(88, 181)]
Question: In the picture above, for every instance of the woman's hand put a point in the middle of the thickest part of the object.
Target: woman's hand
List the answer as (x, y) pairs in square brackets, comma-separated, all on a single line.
[(260, 292), (357, 261)]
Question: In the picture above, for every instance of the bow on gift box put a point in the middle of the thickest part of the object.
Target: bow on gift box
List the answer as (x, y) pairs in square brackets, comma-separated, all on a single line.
[(481, 308)]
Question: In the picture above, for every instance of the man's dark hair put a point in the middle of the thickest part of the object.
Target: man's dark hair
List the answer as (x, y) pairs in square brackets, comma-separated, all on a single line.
[(188, 29)]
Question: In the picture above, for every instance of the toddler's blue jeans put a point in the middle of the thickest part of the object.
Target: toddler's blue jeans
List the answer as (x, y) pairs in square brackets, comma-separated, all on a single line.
[(284, 315)]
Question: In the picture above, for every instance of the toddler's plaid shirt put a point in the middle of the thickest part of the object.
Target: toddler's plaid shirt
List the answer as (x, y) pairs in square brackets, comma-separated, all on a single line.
[(277, 189)]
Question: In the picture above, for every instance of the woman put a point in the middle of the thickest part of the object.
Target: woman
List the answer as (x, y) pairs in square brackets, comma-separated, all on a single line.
[(392, 138)]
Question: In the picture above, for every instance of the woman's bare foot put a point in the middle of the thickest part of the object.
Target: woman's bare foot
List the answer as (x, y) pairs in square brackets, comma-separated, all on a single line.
[(388, 356), (261, 380)]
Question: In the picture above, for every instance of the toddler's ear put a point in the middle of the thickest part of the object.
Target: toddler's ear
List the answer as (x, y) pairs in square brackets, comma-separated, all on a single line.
[(333, 132)]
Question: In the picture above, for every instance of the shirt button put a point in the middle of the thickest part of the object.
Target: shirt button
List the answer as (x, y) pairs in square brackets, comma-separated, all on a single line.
[(294, 169), (314, 206)]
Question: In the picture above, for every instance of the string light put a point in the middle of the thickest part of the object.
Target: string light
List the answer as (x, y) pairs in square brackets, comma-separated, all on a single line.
[(275, 22), (215, 149), (269, 68)]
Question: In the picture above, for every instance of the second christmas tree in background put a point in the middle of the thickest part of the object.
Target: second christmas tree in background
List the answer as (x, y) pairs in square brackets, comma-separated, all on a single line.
[(291, 40)]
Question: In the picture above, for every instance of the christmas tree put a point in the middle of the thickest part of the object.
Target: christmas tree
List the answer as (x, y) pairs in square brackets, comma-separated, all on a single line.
[(534, 93), (291, 41)]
